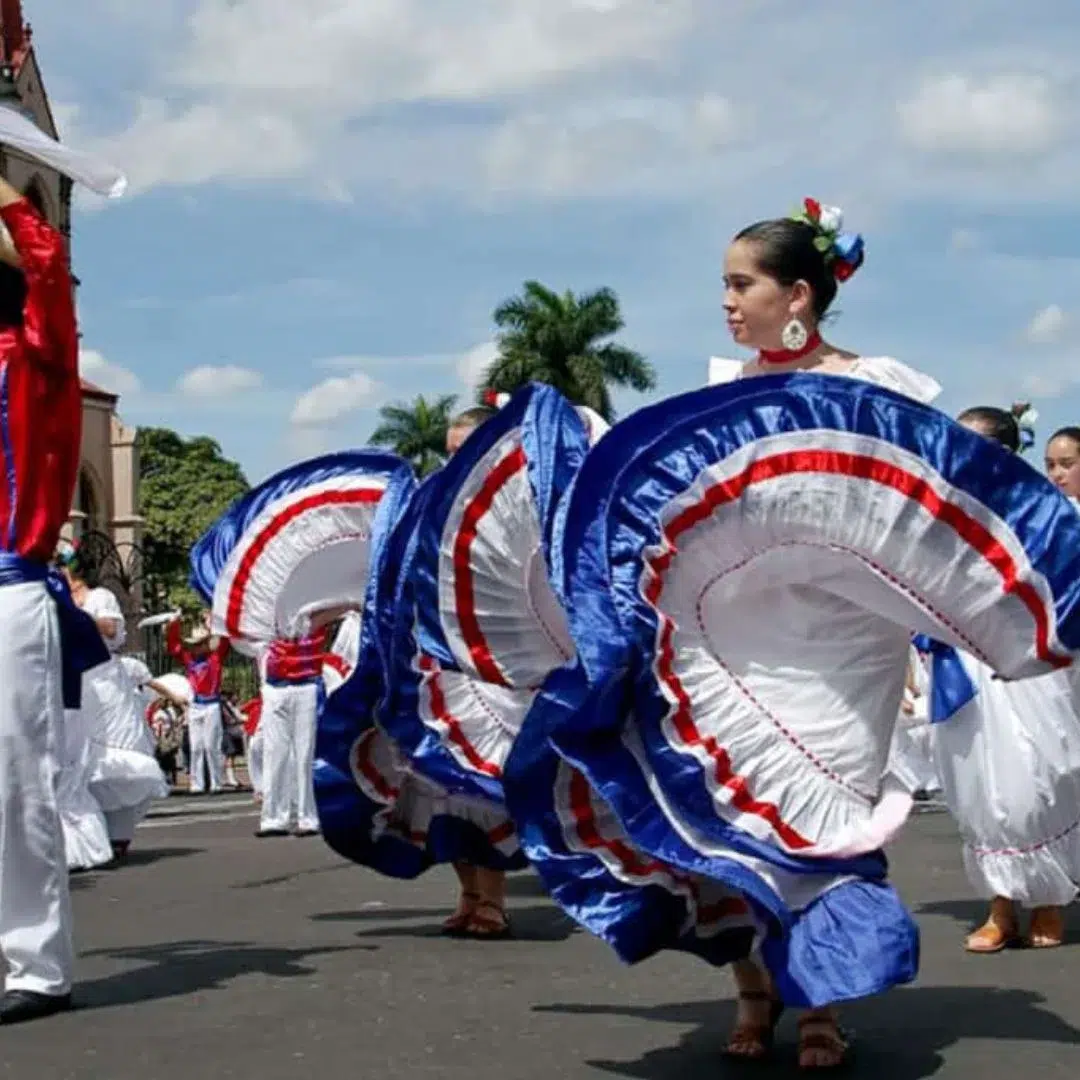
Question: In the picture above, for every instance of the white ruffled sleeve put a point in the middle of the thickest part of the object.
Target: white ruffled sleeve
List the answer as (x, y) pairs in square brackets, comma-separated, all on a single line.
[(893, 375)]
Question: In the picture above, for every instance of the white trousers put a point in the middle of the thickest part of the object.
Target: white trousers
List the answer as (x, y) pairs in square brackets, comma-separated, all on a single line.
[(204, 736), (253, 755), (288, 731), (35, 905)]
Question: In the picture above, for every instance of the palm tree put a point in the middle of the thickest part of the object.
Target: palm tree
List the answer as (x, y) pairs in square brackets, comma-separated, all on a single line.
[(545, 337), (416, 432)]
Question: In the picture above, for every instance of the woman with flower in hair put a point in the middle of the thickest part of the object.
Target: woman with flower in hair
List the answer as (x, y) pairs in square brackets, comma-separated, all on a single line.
[(781, 277), (741, 569)]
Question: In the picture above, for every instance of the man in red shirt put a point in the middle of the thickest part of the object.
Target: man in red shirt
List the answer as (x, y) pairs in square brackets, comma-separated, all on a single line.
[(292, 684), (203, 666), (40, 665)]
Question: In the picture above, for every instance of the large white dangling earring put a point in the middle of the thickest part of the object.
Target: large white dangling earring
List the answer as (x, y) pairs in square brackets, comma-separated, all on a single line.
[(794, 336)]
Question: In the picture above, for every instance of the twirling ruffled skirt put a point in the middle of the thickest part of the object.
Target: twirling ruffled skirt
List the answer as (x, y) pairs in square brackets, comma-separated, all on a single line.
[(743, 567)]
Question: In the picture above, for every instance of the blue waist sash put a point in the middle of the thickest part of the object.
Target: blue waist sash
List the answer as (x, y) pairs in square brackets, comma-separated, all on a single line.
[(307, 680), (81, 645), (199, 699)]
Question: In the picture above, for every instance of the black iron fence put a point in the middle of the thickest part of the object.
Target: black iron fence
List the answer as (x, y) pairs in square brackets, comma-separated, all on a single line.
[(126, 571)]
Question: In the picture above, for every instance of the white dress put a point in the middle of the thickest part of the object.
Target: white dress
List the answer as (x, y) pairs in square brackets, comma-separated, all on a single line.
[(1009, 763), (125, 777)]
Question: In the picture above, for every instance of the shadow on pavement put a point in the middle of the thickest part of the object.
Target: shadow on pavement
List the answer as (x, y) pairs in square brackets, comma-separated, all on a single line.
[(148, 856), (190, 967), (295, 875), (899, 1036), (86, 879), (527, 884), (538, 923)]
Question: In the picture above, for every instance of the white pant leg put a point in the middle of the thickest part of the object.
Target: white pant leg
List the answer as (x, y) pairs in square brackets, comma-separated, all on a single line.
[(276, 728), (305, 717), (215, 758), (35, 905), (254, 757), (198, 721)]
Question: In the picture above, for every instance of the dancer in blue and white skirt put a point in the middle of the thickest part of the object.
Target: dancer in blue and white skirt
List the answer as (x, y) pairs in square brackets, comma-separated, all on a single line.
[(1009, 756), (742, 567)]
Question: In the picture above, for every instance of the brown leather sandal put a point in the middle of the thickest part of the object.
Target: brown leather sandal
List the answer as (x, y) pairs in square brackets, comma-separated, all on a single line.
[(460, 919), (822, 1033), (754, 1042), (990, 938), (491, 927)]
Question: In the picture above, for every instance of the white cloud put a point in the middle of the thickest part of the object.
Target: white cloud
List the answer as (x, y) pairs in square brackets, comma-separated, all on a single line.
[(562, 98), (112, 377), (207, 381), (1053, 380), (963, 240), (1048, 325), (619, 143), (334, 398), (1000, 114), (472, 366), (272, 89)]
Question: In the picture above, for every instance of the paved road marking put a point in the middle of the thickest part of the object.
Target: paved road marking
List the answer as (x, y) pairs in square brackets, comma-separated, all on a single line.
[(174, 821), (185, 807)]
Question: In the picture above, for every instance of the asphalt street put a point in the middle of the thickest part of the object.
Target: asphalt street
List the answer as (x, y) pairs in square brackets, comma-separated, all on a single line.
[(211, 954)]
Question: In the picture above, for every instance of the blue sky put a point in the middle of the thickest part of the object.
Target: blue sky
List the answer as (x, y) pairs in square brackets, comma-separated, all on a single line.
[(329, 197)]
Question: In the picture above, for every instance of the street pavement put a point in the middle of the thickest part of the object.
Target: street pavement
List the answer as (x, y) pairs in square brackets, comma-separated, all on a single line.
[(211, 954)]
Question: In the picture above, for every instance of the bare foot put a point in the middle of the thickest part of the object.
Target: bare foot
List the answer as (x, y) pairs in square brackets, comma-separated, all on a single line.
[(821, 1043), (1047, 928), (755, 1026)]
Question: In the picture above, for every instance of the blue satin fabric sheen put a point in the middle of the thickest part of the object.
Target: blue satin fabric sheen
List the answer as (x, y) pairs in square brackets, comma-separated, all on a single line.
[(611, 516), (350, 821), (213, 549), (951, 687), (346, 815), (81, 644), (555, 441)]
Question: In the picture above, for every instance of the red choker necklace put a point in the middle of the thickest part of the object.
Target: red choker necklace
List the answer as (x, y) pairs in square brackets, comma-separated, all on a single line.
[(786, 356)]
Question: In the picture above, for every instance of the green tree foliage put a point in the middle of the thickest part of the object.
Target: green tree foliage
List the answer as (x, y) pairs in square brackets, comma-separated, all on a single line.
[(416, 432), (184, 486), (564, 341)]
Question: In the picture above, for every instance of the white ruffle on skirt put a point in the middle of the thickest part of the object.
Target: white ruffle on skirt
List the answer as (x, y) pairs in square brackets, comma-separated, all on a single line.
[(124, 773), (1010, 768), (86, 836)]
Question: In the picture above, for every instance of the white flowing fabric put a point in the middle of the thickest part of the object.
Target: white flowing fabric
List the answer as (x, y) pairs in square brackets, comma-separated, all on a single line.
[(1010, 769), (815, 603), (86, 835), (22, 134), (911, 758), (125, 777)]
